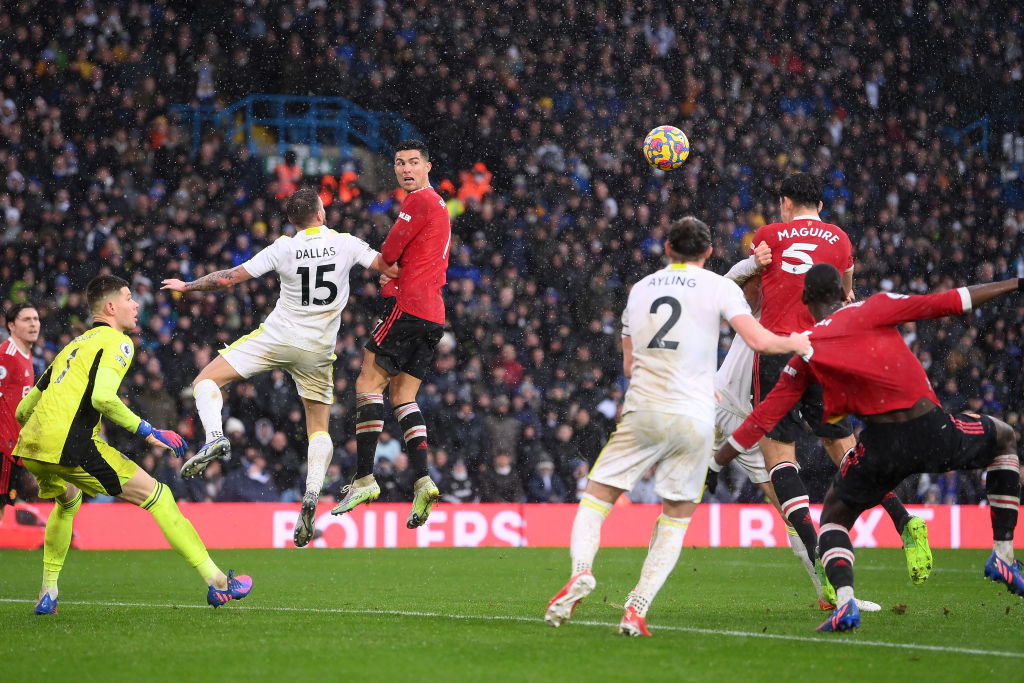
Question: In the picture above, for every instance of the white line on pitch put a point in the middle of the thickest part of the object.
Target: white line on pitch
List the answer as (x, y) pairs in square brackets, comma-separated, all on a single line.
[(827, 640)]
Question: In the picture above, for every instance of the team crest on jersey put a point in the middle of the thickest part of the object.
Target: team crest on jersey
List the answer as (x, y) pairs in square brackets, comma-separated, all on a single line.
[(126, 349), (3, 372), (404, 216)]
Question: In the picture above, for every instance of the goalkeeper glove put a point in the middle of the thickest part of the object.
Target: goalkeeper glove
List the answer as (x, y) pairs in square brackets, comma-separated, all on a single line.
[(165, 436)]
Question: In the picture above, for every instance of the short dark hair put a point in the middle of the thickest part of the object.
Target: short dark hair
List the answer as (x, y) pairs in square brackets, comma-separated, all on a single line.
[(100, 287), (803, 188), (823, 284), (414, 144), (302, 207), (689, 238), (14, 311)]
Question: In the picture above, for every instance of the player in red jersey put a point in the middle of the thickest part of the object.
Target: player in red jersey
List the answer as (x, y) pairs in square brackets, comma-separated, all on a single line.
[(402, 344), (799, 242), (16, 380), (864, 367)]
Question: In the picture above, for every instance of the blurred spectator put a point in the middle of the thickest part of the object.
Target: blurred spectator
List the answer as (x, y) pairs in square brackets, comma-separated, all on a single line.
[(499, 484), (545, 486), (457, 486)]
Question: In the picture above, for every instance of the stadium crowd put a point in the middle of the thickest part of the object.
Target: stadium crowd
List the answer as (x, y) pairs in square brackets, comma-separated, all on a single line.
[(534, 112)]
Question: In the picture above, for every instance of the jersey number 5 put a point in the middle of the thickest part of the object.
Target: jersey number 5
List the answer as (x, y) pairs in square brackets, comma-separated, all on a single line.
[(658, 340), (798, 251), (332, 289)]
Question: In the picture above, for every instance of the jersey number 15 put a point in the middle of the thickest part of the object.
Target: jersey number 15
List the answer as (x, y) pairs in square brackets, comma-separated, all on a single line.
[(321, 283)]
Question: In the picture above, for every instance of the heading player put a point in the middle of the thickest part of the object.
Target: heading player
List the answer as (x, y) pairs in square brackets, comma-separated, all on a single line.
[(60, 444), (864, 367), (401, 346), (298, 336), (799, 242), (16, 380), (670, 330)]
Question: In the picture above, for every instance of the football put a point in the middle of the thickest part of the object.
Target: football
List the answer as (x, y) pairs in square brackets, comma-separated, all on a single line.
[(666, 148)]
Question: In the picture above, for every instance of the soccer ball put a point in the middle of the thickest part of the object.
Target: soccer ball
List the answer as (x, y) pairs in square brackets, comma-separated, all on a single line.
[(666, 148)]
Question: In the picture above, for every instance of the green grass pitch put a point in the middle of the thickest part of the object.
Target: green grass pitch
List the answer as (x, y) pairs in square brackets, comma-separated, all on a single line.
[(476, 615)]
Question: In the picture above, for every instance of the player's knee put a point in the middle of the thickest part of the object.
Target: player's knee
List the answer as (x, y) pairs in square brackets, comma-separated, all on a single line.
[(1006, 438)]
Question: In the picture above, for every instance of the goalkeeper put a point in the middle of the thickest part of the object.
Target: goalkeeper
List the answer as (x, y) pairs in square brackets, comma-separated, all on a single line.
[(60, 444)]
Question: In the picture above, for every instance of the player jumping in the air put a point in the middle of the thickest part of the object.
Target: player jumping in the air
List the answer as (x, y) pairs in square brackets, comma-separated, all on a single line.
[(864, 368), (402, 344), (670, 332), (797, 243), (61, 446), (298, 336), (732, 386), (16, 380)]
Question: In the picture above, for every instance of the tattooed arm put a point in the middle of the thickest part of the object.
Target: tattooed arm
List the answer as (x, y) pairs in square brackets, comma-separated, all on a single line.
[(221, 279)]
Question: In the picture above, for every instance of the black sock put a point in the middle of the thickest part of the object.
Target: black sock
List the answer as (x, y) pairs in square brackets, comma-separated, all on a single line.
[(369, 425), (414, 429), (792, 495), (1002, 486), (837, 555), (897, 512)]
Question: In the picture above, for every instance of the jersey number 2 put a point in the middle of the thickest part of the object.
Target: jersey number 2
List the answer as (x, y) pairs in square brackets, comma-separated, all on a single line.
[(332, 289), (658, 340)]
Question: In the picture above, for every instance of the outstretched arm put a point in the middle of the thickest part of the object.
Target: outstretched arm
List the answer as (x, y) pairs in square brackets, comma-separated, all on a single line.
[(381, 266), (763, 341), (221, 279)]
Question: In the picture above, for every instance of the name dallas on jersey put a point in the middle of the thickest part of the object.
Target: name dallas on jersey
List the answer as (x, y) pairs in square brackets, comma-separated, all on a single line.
[(316, 252)]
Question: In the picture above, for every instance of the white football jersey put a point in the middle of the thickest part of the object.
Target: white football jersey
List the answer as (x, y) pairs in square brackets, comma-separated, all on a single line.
[(734, 377), (313, 267), (673, 318)]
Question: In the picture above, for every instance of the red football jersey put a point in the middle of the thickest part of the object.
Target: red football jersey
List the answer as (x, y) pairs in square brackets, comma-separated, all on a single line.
[(860, 360), (796, 246), (420, 241), (16, 380)]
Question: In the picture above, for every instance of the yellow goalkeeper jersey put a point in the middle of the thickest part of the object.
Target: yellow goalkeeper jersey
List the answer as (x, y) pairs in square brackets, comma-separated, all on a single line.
[(61, 415)]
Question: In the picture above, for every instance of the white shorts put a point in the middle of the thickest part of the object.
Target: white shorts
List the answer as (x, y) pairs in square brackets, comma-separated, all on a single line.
[(677, 444), (751, 460), (262, 350)]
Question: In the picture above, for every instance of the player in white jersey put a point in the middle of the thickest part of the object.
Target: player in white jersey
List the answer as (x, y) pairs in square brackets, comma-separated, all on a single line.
[(733, 388), (298, 336), (670, 344)]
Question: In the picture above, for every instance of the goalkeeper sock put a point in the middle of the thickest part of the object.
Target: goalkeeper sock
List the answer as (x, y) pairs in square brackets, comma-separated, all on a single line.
[(662, 555), (586, 532), (209, 404), (794, 502), (897, 512), (369, 425), (321, 450), (415, 433), (797, 544), (57, 540), (180, 533)]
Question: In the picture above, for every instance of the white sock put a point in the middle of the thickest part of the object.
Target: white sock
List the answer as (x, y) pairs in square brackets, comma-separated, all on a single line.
[(1004, 549), (321, 450), (666, 544), (586, 532), (800, 550), (843, 595), (209, 403)]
